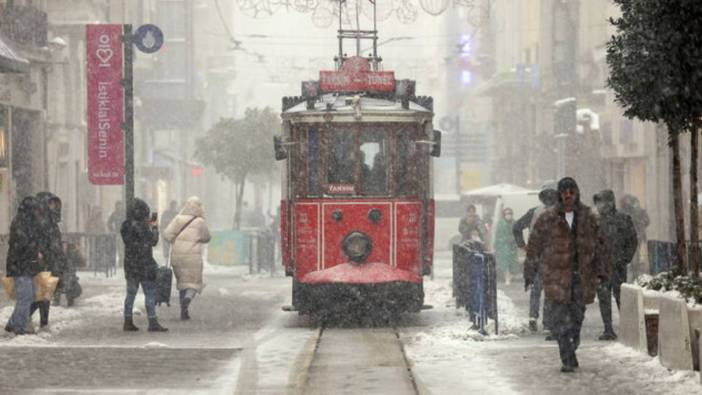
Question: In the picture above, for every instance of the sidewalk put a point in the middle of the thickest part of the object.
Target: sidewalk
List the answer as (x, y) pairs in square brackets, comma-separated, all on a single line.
[(449, 358)]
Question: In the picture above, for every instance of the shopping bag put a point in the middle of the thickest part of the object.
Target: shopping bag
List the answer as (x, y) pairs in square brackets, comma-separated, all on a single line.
[(44, 286), (9, 284)]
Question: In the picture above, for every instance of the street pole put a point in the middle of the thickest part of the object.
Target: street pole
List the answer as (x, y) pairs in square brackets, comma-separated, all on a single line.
[(459, 155), (128, 84)]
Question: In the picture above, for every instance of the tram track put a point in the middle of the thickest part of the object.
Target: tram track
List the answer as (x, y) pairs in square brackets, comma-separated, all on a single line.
[(352, 360)]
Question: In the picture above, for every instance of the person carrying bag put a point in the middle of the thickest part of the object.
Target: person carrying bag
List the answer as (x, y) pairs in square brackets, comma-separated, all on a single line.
[(187, 233)]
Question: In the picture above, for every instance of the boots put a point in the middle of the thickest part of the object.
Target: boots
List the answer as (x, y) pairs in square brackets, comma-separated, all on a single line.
[(129, 325), (184, 309), (532, 325), (154, 326), (608, 335)]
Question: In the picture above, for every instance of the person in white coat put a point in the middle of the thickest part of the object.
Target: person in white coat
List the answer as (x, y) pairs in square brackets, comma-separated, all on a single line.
[(187, 233)]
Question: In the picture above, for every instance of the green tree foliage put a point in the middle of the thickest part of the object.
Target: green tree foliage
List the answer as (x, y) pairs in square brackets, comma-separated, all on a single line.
[(655, 61), (240, 148)]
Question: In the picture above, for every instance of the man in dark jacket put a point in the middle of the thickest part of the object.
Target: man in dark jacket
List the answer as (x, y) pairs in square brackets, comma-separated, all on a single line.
[(23, 258), (548, 198), (471, 225), (51, 246), (140, 235), (569, 243), (620, 234)]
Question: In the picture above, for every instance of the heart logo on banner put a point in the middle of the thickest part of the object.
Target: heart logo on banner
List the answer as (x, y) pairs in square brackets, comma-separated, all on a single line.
[(104, 54)]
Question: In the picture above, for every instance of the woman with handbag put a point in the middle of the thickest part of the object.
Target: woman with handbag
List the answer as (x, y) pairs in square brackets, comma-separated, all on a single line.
[(187, 233), (23, 258), (140, 235)]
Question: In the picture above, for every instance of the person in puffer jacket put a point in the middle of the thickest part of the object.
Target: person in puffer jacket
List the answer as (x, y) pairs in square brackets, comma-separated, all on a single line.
[(187, 234)]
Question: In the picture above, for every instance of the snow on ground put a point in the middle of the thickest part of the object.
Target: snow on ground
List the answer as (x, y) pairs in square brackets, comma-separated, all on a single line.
[(448, 344), (650, 373)]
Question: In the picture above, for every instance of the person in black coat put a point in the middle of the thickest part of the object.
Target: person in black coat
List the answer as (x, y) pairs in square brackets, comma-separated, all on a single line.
[(140, 235), (623, 242), (23, 262), (51, 246)]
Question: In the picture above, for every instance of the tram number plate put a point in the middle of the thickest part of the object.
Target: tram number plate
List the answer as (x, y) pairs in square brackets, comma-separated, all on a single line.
[(341, 189)]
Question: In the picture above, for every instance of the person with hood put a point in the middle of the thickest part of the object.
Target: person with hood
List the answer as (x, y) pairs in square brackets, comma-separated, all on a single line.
[(570, 245), (140, 235), (620, 235), (187, 233), (506, 251), (548, 198), (23, 257), (51, 247), (630, 205), (470, 224)]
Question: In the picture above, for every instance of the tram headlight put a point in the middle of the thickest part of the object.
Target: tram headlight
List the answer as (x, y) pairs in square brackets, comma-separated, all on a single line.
[(357, 246)]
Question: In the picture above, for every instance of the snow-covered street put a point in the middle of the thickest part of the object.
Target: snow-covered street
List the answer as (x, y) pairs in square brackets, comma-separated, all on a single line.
[(239, 341)]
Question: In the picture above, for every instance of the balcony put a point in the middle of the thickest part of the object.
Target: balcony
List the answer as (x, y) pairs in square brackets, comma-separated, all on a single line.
[(25, 26)]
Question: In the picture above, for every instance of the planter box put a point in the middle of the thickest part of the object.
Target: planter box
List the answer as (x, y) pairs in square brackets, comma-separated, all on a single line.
[(674, 345), (694, 316), (632, 323)]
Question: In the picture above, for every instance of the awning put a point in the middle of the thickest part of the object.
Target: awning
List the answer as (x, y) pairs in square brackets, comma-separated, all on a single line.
[(10, 62)]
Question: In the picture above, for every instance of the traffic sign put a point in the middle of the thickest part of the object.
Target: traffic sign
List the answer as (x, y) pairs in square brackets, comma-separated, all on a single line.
[(148, 38)]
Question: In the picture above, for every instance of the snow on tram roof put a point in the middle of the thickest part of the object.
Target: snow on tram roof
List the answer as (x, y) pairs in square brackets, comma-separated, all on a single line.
[(368, 104)]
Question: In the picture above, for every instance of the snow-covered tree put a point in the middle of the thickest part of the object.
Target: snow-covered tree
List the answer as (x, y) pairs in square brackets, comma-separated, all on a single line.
[(239, 148), (655, 61)]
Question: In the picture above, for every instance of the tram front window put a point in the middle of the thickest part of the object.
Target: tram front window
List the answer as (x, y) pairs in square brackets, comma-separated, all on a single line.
[(341, 158), (373, 163)]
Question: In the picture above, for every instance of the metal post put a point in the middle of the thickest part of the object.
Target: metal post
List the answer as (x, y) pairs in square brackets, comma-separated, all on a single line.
[(459, 155), (128, 128)]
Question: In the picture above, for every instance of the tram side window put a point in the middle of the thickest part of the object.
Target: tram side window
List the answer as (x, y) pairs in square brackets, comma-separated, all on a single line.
[(410, 167), (341, 157), (373, 163), (313, 162)]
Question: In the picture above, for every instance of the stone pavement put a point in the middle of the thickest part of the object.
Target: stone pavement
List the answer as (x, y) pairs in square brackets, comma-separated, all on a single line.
[(115, 369)]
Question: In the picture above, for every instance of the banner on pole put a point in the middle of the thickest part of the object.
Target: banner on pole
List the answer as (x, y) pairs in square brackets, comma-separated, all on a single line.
[(105, 104)]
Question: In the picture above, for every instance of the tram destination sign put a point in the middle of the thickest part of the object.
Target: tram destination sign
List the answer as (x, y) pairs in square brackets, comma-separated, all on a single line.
[(355, 75)]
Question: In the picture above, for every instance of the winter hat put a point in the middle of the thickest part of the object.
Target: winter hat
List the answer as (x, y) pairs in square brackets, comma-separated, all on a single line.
[(605, 196), (548, 196), (567, 183)]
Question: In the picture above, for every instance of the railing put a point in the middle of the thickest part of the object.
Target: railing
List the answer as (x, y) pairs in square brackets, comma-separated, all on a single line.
[(253, 247), (99, 250), (24, 25)]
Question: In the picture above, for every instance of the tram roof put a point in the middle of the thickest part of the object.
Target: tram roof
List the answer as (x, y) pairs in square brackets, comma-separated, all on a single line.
[(343, 104)]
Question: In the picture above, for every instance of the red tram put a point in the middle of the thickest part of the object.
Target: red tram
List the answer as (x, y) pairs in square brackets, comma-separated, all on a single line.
[(357, 212)]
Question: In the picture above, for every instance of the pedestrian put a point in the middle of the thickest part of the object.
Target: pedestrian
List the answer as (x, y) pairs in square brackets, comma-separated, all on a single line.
[(23, 256), (95, 225), (69, 280), (166, 218), (506, 251), (188, 232), (570, 245), (548, 198), (630, 205), (140, 234), (51, 247), (622, 242), (471, 223)]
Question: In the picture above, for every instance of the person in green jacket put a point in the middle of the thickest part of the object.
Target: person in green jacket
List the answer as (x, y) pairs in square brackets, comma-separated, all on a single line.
[(506, 250)]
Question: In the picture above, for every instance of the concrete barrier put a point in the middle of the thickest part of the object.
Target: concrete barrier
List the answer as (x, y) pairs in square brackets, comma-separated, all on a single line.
[(674, 345), (694, 316), (632, 326)]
